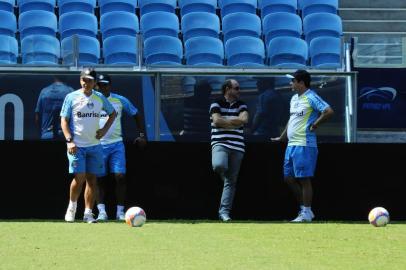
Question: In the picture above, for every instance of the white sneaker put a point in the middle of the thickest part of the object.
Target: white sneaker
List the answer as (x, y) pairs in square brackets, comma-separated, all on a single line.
[(88, 218), (102, 216), (70, 215), (120, 216), (303, 217)]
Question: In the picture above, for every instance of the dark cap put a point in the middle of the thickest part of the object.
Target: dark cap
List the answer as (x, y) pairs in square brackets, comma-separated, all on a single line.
[(88, 73), (299, 75), (104, 78)]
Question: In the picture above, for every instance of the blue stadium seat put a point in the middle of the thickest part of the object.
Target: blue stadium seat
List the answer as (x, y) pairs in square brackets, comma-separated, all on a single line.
[(159, 23), (40, 50), (8, 50), (231, 6), (204, 51), (241, 24), (118, 23), (27, 5), (245, 52), (8, 23), (37, 22), (117, 5), (272, 6), (79, 23), (316, 6), (88, 50), (322, 24), (188, 6), (288, 52), (147, 6), (120, 50), (163, 50), (7, 5), (66, 6), (282, 24), (200, 24), (325, 52)]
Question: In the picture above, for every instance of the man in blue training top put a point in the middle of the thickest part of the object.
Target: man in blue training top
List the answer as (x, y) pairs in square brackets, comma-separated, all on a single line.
[(48, 108), (80, 117), (307, 112), (113, 147)]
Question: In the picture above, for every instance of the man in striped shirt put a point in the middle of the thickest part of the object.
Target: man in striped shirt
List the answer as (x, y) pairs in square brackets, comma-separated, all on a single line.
[(228, 116)]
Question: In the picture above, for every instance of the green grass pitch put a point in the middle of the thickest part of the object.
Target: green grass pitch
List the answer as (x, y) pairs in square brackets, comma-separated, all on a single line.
[(205, 245)]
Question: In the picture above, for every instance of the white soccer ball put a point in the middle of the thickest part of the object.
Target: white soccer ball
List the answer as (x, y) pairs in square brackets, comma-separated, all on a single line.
[(378, 217), (135, 216)]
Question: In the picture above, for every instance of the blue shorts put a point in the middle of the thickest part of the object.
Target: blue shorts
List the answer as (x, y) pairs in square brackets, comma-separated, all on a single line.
[(114, 158), (87, 160), (300, 161)]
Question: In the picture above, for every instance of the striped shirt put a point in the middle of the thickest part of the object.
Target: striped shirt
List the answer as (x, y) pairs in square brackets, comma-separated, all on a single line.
[(230, 138)]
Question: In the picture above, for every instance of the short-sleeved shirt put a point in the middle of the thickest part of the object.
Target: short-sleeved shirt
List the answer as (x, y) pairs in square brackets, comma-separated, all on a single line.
[(84, 113), (49, 106), (120, 104), (230, 138), (304, 110)]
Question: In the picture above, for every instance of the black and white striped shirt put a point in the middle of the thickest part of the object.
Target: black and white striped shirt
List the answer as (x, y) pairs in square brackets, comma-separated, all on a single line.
[(230, 138)]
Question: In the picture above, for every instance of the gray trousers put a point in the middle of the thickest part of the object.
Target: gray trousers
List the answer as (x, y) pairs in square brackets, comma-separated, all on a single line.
[(226, 162)]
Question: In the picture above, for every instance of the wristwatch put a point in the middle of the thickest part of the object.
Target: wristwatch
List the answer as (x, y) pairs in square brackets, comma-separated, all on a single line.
[(142, 135), (69, 140)]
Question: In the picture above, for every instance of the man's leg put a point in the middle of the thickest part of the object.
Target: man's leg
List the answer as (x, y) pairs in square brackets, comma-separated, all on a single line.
[(74, 193), (100, 193), (219, 160), (296, 188), (121, 189)]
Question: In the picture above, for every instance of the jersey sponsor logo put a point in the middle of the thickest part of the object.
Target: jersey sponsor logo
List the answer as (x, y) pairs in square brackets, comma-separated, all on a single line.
[(87, 114), (301, 113)]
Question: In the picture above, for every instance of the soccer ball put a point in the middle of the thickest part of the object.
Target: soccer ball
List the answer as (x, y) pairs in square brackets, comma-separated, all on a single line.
[(135, 216), (378, 217)]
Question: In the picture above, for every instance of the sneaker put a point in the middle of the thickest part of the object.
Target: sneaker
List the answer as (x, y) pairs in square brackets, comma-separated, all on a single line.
[(70, 215), (88, 218), (311, 214), (225, 217), (303, 217), (102, 216), (120, 216)]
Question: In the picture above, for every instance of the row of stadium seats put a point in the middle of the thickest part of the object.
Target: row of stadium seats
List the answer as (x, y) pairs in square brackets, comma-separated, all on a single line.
[(264, 7)]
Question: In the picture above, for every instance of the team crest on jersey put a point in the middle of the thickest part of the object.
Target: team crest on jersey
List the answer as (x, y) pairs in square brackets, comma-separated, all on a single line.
[(90, 104)]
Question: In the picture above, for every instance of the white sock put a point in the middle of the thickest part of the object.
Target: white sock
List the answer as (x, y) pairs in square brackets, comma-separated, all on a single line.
[(101, 207), (88, 211), (72, 205), (120, 209), (307, 209)]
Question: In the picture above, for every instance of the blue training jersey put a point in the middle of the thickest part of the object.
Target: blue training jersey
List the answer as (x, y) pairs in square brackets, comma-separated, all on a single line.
[(120, 104), (84, 113), (304, 110), (49, 106)]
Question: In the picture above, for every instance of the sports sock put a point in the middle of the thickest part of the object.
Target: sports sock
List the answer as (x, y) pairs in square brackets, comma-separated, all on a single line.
[(307, 209), (101, 207), (120, 209), (88, 211), (72, 205)]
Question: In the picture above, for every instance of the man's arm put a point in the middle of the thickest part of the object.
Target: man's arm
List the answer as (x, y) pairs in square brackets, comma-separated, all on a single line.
[(101, 132), (283, 137), (222, 122), (326, 114), (68, 135), (141, 139)]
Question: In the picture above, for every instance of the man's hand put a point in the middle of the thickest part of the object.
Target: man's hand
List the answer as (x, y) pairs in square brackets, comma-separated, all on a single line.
[(140, 141), (277, 139), (71, 148), (100, 133)]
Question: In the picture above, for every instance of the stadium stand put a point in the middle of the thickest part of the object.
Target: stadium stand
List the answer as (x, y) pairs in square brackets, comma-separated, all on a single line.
[(271, 6), (87, 50), (117, 5), (325, 52), (287, 52), (120, 50), (37, 22), (317, 6), (27, 5), (200, 24), (159, 23), (118, 23), (7, 5), (163, 50), (79, 23), (244, 51), (147, 6), (322, 24), (8, 50), (8, 23), (231, 6), (281, 24), (205, 51), (241, 24), (188, 6), (40, 50), (66, 6)]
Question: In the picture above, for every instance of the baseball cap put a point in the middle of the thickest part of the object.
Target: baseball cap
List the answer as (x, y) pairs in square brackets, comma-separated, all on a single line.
[(102, 78), (299, 75), (88, 73)]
